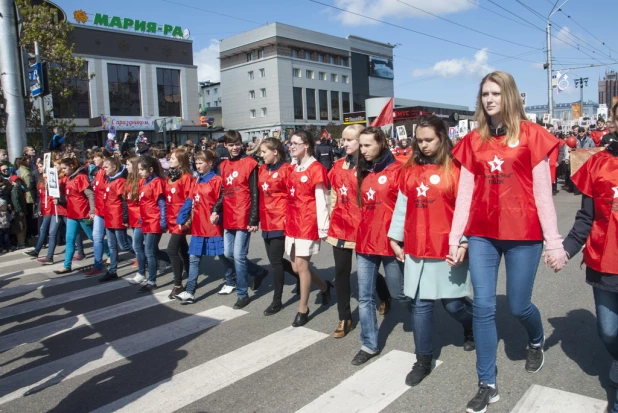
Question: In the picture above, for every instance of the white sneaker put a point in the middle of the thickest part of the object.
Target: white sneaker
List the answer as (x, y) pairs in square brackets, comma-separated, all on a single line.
[(227, 289), (185, 297), (138, 279), (613, 373)]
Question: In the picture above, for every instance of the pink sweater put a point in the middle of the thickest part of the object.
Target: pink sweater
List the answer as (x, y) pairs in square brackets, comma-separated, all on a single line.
[(541, 186)]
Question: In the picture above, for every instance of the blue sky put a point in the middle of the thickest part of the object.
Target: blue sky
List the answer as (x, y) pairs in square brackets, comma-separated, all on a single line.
[(425, 68)]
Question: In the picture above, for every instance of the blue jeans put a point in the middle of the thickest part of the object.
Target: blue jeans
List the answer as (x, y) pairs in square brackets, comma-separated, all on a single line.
[(194, 270), (114, 237), (151, 246), (49, 224), (522, 261), (72, 232), (606, 303), (138, 247), (422, 320), (236, 247), (98, 241), (367, 267)]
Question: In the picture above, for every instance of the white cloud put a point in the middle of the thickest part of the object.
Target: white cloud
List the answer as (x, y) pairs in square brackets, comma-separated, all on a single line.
[(384, 9), (563, 38), (207, 62), (461, 67)]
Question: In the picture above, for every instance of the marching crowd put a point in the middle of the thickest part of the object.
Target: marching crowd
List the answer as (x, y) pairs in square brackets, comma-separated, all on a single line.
[(438, 224)]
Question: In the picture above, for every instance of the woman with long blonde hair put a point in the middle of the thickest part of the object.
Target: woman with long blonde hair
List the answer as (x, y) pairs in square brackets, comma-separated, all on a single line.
[(504, 206)]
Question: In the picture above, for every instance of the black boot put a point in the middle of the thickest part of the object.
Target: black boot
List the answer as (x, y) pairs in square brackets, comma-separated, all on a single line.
[(468, 344), (273, 308), (301, 319), (420, 370)]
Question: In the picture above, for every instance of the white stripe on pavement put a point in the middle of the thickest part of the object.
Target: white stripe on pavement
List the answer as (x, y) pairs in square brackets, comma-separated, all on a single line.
[(191, 385), (46, 269), (540, 399), (55, 328), (19, 309), (370, 389), (39, 285), (20, 384)]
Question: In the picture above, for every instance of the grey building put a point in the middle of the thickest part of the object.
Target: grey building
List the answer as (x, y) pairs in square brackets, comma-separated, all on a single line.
[(210, 94), (563, 111), (608, 88), (280, 77)]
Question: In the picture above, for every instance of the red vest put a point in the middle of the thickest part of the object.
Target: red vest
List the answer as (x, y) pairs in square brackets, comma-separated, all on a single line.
[(77, 203), (62, 183), (148, 206), (176, 193), (378, 193), (133, 206), (302, 220), (47, 202), (273, 197), (112, 197), (430, 208), (597, 135), (204, 197), (503, 201), (598, 179), (345, 215), (98, 184), (236, 192)]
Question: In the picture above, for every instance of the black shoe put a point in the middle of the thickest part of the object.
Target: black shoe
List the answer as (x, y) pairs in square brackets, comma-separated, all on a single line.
[(273, 308), (146, 288), (241, 303), (326, 294), (257, 281), (301, 319), (32, 254), (468, 344), (420, 370), (363, 357), (535, 358), (484, 397), (110, 276)]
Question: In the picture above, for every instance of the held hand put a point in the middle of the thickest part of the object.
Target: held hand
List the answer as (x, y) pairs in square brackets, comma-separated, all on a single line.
[(252, 228), (56, 201), (557, 259), (397, 250), (179, 227), (456, 255), (214, 218)]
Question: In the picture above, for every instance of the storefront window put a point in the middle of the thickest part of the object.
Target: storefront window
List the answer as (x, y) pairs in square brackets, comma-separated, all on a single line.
[(79, 104), (310, 103), (323, 95), (345, 97), (334, 104), (168, 91), (298, 103), (124, 90)]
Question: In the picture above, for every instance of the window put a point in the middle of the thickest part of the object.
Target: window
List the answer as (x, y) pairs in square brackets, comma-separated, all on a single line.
[(249, 57), (252, 113), (296, 72), (168, 91), (310, 97), (343, 61), (250, 75), (252, 94), (307, 55), (261, 54), (345, 99), (262, 93), (320, 57), (334, 77), (323, 102), (216, 90), (334, 104), (298, 102), (124, 90), (309, 74), (207, 92), (345, 79), (79, 104), (207, 104), (263, 112), (322, 76), (331, 60), (294, 53), (262, 72)]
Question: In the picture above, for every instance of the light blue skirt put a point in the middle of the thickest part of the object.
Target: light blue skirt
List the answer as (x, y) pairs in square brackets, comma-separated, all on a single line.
[(433, 279)]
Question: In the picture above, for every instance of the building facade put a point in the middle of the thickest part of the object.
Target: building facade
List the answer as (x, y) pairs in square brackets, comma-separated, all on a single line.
[(279, 77), (608, 89), (210, 94), (563, 111)]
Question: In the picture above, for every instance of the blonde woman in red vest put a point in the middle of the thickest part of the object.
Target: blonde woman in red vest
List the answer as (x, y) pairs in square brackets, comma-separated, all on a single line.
[(505, 207), (422, 222), (307, 219), (345, 215)]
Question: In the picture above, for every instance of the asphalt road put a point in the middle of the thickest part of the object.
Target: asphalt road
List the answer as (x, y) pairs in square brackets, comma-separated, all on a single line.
[(70, 344)]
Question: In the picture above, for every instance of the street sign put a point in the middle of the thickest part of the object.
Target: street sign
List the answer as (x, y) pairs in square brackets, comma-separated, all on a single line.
[(35, 76)]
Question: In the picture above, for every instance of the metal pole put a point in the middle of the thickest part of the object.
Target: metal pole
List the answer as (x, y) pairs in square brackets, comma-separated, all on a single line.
[(164, 133), (10, 77), (550, 87), (41, 100)]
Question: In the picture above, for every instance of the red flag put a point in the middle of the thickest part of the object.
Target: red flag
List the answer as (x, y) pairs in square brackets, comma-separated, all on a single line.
[(386, 116)]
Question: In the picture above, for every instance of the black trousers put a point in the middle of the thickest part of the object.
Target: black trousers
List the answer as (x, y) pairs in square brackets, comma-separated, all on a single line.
[(178, 252), (275, 248), (343, 269)]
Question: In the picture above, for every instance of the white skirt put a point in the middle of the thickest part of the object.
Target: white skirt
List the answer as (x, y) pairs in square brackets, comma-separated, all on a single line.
[(302, 247)]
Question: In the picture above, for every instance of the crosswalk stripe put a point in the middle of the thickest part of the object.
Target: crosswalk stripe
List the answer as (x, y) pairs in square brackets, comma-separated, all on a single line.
[(29, 306), (193, 384), (540, 399), (51, 282), (369, 390), (45, 269), (18, 385), (28, 259), (57, 327)]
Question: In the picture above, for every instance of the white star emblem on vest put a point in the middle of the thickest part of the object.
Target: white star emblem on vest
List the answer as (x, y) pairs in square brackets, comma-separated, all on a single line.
[(292, 191), (343, 190), (615, 191), (496, 164), (370, 194), (169, 198), (197, 198), (422, 190), (229, 179), (265, 187)]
